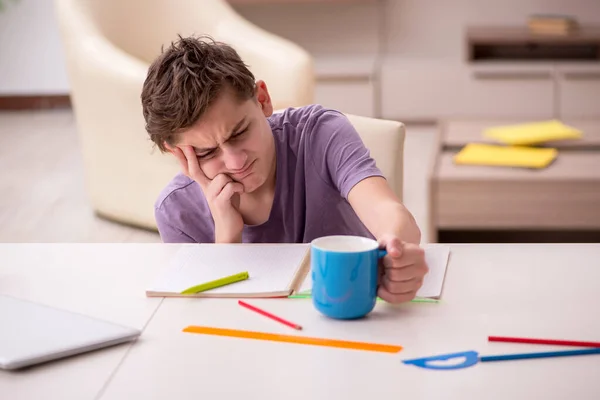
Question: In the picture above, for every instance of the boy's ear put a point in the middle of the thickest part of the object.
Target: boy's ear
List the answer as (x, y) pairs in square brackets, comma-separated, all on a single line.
[(263, 98)]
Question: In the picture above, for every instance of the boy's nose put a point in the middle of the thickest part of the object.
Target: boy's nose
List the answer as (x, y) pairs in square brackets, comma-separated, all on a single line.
[(234, 159)]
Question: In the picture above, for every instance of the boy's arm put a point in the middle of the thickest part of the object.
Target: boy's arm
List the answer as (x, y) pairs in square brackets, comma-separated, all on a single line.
[(381, 211), (338, 152), (394, 227)]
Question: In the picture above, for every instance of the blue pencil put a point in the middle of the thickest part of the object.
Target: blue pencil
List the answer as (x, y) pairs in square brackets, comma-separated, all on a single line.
[(522, 356)]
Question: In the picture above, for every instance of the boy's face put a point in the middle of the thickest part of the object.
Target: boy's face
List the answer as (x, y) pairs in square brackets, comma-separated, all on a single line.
[(234, 138)]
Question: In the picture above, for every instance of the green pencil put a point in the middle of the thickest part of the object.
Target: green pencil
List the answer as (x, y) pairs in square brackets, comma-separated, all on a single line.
[(217, 283), (416, 300)]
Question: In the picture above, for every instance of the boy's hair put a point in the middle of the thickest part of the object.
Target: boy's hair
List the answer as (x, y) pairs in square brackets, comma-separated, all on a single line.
[(184, 81)]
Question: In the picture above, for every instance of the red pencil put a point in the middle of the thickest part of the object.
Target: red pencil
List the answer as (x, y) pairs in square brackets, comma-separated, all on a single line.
[(266, 314), (543, 341)]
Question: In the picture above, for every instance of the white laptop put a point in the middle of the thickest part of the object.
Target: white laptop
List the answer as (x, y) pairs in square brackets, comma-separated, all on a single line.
[(32, 333)]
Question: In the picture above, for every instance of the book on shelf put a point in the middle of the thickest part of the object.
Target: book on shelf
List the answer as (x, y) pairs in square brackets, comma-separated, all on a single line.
[(552, 24)]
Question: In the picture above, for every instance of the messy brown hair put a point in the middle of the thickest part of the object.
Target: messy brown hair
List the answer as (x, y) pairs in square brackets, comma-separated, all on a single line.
[(184, 81)]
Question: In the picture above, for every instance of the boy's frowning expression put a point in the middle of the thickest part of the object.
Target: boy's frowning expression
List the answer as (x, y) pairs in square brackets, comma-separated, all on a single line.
[(234, 138)]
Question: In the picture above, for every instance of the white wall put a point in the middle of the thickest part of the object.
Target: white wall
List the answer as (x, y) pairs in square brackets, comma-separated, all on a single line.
[(31, 56), (324, 28), (404, 28)]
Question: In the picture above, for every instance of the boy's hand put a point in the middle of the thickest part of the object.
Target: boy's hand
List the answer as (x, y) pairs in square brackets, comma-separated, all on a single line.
[(404, 268), (222, 194)]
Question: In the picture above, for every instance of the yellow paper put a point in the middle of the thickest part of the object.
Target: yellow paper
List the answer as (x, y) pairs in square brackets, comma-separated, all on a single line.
[(509, 156), (532, 133)]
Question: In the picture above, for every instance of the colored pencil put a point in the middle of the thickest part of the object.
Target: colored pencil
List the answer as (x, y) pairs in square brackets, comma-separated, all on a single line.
[(543, 341), (217, 283), (269, 315), (523, 356), (415, 300), (343, 344)]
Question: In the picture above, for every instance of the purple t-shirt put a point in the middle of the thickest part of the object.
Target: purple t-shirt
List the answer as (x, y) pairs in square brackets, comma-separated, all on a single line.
[(320, 157)]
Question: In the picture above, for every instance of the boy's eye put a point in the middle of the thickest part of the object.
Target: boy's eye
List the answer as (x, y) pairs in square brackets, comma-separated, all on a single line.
[(205, 155), (240, 133), (211, 152)]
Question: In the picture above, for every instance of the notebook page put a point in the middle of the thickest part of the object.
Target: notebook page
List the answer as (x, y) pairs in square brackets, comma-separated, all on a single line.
[(306, 285), (271, 267), (436, 257)]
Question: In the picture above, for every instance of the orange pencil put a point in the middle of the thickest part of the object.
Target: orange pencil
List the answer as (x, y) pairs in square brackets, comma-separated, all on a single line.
[(269, 315)]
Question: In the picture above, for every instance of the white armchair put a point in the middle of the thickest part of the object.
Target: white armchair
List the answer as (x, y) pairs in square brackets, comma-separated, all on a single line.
[(109, 45), (385, 141)]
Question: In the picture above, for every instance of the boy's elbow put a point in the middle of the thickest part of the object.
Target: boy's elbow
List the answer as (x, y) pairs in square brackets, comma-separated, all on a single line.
[(413, 232), (417, 234)]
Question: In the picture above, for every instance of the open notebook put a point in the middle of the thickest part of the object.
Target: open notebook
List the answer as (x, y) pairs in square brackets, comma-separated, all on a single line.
[(275, 270)]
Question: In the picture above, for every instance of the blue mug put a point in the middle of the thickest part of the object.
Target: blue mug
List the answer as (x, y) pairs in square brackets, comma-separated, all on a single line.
[(344, 272)]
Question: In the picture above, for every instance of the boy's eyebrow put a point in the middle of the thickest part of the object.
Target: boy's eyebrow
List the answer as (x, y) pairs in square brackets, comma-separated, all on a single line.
[(234, 130)]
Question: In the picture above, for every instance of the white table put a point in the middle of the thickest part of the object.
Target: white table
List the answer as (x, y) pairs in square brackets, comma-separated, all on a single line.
[(513, 290), (102, 280)]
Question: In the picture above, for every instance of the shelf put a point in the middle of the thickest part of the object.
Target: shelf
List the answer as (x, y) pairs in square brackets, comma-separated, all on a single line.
[(519, 44)]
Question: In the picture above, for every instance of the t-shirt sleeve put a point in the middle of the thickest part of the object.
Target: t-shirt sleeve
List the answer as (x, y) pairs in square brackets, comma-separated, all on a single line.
[(169, 233), (337, 150)]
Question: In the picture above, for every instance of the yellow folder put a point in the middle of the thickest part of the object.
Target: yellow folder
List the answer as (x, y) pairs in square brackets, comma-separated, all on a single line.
[(509, 156), (532, 133)]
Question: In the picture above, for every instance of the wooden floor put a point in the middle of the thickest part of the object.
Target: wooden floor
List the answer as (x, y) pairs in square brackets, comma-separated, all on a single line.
[(42, 185), (42, 188)]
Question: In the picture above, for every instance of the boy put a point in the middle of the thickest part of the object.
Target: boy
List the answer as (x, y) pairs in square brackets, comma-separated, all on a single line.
[(249, 175)]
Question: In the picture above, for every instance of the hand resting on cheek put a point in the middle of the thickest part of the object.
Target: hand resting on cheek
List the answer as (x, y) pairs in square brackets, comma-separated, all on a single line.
[(222, 194)]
